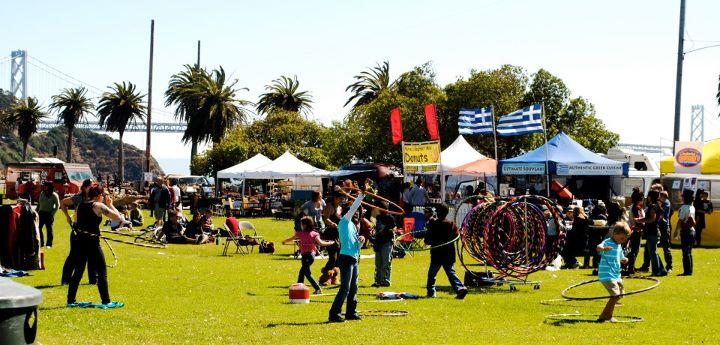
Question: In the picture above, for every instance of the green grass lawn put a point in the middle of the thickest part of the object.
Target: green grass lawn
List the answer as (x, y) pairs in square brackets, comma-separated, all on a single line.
[(189, 294)]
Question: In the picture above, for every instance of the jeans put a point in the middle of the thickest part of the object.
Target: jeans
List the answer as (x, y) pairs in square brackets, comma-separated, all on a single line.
[(651, 244), (88, 250), (635, 239), (449, 268), (687, 239), (698, 236), (305, 272), (383, 263), (348, 287), (665, 244), (46, 219)]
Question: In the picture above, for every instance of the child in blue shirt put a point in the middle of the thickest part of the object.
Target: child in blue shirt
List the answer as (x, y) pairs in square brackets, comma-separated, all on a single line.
[(612, 256)]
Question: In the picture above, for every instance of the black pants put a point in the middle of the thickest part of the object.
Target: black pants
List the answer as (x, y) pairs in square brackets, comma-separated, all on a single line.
[(88, 250), (333, 253), (698, 236), (69, 266), (634, 242), (305, 272), (46, 219), (687, 239), (665, 244)]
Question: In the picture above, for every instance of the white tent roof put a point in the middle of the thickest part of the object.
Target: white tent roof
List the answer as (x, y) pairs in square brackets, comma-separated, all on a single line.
[(459, 153), (237, 171), (285, 166)]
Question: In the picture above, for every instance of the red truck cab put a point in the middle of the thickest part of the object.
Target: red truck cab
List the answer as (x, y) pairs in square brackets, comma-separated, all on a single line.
[(26, 178)]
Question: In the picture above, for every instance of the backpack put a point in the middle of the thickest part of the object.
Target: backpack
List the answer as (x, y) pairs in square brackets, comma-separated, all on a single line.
[(266, 247)]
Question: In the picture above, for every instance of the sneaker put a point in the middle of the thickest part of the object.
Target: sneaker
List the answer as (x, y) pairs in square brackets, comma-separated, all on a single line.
[(375, 285), (353, 317), (462, 293), (643, 269), (430, 295), (317, 292), (336, 319), (48, 247)]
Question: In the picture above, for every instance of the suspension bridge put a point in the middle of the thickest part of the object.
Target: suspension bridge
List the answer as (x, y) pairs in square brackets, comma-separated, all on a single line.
[(30, 76)]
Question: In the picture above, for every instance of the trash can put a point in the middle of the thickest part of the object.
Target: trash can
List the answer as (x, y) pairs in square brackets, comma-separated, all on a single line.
[(18, 312)]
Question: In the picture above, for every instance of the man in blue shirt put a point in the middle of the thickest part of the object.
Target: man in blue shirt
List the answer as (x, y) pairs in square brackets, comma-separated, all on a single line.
[(612, 256), (350, 244)]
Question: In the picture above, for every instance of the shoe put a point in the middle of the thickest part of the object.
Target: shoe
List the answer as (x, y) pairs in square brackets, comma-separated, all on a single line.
[(317, 292), (375, 285), (462, 293), (430, 295), (685, 274), (659, 274), (643, 269), (353, 317), (336, 319), (668, 270), (48, 247), (385, 285)]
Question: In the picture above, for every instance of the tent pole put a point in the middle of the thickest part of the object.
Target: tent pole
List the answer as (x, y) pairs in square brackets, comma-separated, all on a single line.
[(492, 117), (547, 170)]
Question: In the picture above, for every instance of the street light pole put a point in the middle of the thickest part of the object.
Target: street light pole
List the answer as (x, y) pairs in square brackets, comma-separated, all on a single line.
[(678, 77)]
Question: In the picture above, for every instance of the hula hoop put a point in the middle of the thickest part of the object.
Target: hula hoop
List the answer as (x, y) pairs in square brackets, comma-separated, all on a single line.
[(112, 251), (154, 246), (576, 317), (359, 301), (386, 210), (564, 293), (383, 313), (560, 302), (413, 249)]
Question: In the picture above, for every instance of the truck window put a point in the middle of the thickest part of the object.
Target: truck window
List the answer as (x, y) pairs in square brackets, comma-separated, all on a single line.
[(630, 183), (59, 177)]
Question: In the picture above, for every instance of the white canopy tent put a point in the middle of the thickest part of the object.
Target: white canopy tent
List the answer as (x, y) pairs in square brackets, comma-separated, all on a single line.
[(237, 171), (285, 166)]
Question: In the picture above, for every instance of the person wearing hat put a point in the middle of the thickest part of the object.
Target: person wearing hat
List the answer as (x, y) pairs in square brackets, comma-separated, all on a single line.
[(48, 204), (161, 201)]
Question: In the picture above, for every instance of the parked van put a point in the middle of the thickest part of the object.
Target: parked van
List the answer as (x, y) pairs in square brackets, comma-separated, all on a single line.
[(26, 178)]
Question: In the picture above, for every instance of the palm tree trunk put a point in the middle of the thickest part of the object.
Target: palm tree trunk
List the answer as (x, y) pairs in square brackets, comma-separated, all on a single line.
[(121, 161), (68, 149), (25, 144), (193, 150)]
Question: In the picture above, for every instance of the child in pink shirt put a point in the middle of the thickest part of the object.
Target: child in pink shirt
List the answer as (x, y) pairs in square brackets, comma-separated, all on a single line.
[(309, 242)]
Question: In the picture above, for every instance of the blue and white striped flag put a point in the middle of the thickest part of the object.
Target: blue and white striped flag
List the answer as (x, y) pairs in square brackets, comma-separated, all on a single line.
[(524, 121), (475, 121)]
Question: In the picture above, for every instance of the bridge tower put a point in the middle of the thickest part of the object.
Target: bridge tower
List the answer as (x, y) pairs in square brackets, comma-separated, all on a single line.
[(18, 73), (697, 123)]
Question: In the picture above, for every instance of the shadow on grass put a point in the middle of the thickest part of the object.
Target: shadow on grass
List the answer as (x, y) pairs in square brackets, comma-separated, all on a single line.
[(273, 325), (41, 287)]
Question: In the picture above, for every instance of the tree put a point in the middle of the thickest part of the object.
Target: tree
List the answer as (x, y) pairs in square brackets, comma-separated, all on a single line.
[(218, 109), (118, 108), (72, 106), (25, 115), (283, 94), (369, 84), (181, 93)]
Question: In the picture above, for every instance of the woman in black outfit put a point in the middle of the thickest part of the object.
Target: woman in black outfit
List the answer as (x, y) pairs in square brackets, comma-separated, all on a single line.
[(87, 245)]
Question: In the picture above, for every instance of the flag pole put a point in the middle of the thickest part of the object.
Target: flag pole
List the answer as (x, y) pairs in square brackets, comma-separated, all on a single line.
[(547, 170), (497, 175)]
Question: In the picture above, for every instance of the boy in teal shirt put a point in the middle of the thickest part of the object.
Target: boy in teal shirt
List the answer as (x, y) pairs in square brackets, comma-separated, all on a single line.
[(612, 256)]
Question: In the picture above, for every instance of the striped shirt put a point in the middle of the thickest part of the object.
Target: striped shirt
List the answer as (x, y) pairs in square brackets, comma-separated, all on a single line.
[(609, 269)]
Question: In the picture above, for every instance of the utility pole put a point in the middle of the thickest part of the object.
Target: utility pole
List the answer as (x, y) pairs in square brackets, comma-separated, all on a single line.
[(198, 59), (149, 107), (678, 77)]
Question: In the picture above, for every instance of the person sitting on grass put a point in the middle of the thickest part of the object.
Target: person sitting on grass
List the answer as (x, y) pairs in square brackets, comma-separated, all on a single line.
[(612, 256), (122, 222), (309, 241), (136, 217), (439, 233), (174, 232), (207, 222)]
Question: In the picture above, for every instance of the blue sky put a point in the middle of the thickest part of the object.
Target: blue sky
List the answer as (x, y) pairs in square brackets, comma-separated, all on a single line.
[(619, 54)]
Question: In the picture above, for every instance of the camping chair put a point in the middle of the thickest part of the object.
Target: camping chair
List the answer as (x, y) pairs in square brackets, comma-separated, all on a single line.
[(241, 246)]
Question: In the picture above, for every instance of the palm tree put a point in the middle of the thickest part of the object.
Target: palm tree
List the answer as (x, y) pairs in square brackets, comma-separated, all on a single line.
[(116, 110), (71, 105), (217, 109), (25, 115), (369, 84), (181, 93), (283, 94)]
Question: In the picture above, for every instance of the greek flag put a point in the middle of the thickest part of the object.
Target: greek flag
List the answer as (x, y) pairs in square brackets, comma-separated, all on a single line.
[(524, 121), (475, 121)]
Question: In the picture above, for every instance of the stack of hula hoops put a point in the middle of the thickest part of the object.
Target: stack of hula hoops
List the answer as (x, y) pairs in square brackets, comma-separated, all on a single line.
[(511, 236)]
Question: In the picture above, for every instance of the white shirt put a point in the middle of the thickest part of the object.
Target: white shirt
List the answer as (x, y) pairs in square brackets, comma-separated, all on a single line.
[(176, 191), (685, 211)]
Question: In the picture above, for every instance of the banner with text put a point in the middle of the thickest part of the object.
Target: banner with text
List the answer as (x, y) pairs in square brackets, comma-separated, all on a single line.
[(423, 157), (583, 169), (688, 157), (523, 169)]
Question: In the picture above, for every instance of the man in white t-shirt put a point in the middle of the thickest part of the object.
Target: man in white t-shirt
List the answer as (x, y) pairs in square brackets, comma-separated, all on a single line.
[(177, 199)]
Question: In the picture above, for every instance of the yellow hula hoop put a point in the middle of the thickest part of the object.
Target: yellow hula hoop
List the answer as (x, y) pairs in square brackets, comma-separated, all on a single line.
[(385, 210)]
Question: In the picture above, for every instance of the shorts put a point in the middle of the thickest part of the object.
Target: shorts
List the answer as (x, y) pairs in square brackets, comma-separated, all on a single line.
[(615, 288), (160, 213)]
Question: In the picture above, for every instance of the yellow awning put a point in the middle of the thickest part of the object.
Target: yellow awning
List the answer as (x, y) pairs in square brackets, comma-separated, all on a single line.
[(710, 160)]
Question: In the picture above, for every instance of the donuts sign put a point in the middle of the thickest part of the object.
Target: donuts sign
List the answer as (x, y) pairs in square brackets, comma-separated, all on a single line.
[(688, 157)]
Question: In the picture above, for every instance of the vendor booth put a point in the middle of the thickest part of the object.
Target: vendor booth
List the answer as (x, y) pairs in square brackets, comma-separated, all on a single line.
[(708, 179), (237, 171), (461, 165), (585, 173)]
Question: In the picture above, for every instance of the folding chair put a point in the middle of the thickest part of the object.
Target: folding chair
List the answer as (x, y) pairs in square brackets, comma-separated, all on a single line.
[(240, 247)]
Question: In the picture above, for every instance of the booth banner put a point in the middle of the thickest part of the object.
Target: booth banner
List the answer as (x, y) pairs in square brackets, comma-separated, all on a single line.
[(688, 157), (523, 169), (147, 177), (583, 169), (423, 157)]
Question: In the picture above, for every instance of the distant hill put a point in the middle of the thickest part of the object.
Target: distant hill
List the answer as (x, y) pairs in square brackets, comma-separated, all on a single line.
[(97, 150)]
